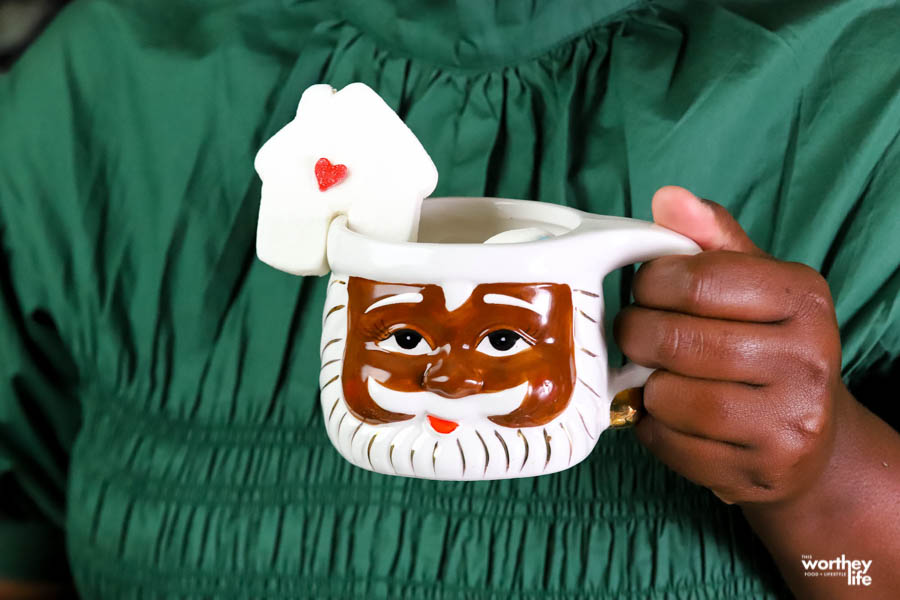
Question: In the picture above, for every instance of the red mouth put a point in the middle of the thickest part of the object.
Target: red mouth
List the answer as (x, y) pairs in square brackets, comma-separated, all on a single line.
[(442, 425)]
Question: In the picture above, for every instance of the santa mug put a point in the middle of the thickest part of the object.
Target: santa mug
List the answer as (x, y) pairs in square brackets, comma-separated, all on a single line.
[(478, 352)]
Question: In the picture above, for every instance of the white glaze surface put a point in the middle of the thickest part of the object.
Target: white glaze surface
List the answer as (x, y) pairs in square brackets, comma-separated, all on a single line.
[(388, 175), (581, 250)]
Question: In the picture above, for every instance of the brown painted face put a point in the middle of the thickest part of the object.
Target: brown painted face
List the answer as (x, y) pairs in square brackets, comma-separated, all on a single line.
[(506, 341)]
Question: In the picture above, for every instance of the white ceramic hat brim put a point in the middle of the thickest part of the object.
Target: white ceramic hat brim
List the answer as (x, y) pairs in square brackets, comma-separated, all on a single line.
[(583, 250)]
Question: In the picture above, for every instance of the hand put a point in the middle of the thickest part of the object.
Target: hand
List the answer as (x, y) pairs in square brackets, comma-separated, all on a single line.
[(748, 389)]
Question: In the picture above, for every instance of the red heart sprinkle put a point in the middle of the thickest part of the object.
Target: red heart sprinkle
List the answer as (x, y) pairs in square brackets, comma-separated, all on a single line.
[(328, 174)]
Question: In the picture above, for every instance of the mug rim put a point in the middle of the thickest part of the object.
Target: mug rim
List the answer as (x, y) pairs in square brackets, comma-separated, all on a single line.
[(572, 220), (549, 260)]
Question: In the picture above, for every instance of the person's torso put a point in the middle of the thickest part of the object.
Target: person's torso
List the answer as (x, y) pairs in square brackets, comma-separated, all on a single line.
[(203, 468)]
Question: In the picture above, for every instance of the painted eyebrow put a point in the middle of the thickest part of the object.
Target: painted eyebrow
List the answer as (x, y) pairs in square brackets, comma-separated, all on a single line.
[(511, 300), (411, 297)]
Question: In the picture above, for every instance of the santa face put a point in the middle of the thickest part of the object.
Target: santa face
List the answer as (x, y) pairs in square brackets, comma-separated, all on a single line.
[(504, 355), (461, 381)]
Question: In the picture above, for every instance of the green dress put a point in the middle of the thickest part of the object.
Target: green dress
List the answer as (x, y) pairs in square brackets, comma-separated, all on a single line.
[(160, 434)]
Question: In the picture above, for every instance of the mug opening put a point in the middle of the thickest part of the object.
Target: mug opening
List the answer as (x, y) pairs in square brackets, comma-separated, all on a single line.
[(451, 246), (463, 220)]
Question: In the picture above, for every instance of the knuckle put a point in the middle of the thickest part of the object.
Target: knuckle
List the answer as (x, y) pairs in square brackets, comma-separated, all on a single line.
[(697, 282), (673, 340), (788, 453), (814, 299), (812, 423), (800, 436), (814, 303), (816, 371), (764, 480), (766, 483), (779, 473), (770, 472)]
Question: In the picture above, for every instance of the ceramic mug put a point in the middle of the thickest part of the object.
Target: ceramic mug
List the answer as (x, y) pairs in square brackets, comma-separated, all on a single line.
[(451, 358)]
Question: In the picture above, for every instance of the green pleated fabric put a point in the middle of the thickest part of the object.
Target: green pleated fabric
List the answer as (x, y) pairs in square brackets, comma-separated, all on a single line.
[(160, 433)]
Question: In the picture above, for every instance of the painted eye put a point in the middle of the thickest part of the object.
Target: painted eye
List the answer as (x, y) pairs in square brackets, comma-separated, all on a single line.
[(406, 341), (502, 342)]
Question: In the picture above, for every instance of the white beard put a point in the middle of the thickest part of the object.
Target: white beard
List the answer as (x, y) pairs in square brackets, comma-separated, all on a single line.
[(478, 448)]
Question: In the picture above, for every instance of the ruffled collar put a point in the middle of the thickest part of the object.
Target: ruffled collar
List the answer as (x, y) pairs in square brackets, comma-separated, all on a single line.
[(479, 34)]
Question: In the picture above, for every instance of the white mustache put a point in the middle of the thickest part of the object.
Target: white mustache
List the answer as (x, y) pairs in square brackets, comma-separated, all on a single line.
[(455, 409)]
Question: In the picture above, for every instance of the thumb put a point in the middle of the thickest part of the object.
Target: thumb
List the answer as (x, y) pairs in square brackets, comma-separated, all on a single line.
[(705, 222)]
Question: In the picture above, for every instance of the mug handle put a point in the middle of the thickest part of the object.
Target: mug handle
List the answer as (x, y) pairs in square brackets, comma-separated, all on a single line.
[(626, 388), (623, 242)]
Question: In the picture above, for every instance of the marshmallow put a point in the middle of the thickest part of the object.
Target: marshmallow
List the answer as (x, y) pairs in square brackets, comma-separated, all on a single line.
[(345, 152)]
